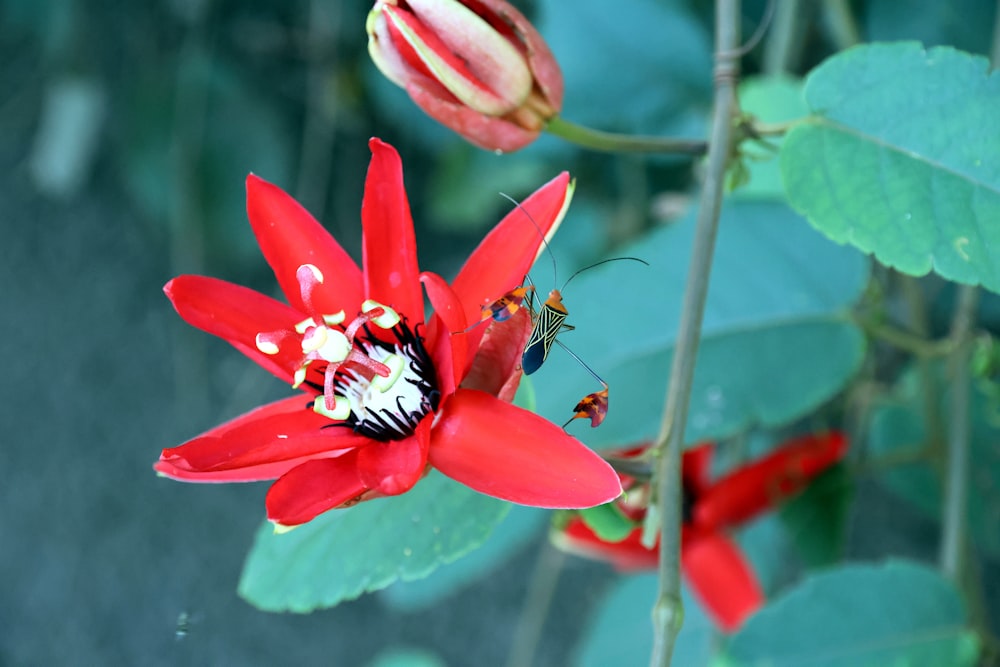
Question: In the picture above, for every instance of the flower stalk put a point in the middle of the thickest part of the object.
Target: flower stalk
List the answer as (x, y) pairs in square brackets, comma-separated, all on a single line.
[(668, 610), (622, 143), (957, 479)]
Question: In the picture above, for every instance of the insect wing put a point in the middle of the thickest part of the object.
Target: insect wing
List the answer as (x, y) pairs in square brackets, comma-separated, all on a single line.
[(548, 324)]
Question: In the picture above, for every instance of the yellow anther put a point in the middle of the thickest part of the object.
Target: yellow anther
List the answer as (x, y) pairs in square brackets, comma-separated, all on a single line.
[(336, 318), (304, 325), (396, 365), (314, 339), (386, 320), (341, 408), (265, 344), (300, 375)]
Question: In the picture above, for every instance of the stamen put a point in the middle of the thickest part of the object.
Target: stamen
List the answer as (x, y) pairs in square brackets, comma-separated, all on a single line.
[(395, 364), (266, 342), (379, 385), (386, 320), (335, 319), (300, 374), (313, 339), (305, 325), (340, 411), (387, 406)]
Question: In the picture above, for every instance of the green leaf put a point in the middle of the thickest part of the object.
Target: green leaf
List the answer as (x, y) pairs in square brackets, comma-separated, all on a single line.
[(621, 634), (902, 159), (774, 99), (521, 525), (341, 554), (775, 340), (817, 518), (608, 522), (899, 428), (898, 613)]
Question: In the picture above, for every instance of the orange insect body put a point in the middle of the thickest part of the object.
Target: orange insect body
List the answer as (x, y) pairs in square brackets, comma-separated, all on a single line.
[(592, 406), (507, 305)]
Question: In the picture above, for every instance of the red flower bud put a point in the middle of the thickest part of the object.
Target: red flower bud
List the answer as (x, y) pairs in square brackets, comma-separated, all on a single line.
[(477, 66)]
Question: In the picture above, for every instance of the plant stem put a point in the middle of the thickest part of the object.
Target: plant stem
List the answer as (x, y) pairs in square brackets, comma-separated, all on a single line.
[(622, 143), (957, 475), (840, 24), (781, 52), (907, 341), (914, 298), (668, 611), (541, 590)]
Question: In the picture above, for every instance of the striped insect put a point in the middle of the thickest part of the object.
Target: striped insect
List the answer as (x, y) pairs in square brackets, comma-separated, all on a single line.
[(547, 323), (550, 321)]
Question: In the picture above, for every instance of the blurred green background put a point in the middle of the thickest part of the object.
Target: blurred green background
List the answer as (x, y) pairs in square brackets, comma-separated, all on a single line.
[(126, 131)]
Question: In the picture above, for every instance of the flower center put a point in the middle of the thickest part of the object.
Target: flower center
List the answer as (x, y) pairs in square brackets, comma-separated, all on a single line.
[(379, 386), (390, 409)]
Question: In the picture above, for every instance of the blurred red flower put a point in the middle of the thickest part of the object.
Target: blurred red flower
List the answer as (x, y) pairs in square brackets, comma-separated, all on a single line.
[(386, 394), (713, 565)]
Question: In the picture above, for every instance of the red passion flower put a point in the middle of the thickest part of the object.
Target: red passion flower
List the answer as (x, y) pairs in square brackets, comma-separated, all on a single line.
[(384, 394), (712, 563)]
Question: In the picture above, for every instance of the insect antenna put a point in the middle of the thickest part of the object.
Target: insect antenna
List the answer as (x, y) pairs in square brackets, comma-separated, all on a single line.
[(545, 241), (603, 261)]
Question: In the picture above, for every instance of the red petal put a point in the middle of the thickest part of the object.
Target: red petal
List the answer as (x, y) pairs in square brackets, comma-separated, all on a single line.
[(503, 451), (543, 64), (496, 368), (488, 132), (390, 249), (313, 488), (696, 468), (627, 555), (721, 578), (503, 258), (394, 467), (237, 314), (272, 438), (445, 334), (761, 485), (290, 237), (455, 67)]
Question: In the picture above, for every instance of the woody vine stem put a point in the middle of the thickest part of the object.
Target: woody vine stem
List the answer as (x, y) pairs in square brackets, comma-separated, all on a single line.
[(668, 611)]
